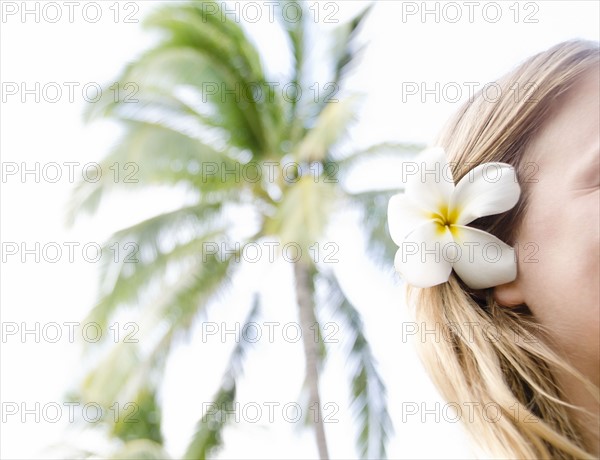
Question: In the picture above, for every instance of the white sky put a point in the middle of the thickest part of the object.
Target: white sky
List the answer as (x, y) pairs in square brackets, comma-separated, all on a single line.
[(84, 52)]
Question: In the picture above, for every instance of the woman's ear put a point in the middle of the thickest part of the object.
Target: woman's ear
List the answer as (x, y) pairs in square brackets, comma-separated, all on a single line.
[(509, 294)]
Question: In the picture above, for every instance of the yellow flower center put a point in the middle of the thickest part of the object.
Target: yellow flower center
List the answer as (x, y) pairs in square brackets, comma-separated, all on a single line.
[(445, 218)]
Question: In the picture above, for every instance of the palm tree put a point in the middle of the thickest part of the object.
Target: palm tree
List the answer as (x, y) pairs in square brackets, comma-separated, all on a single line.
[(183, 120)]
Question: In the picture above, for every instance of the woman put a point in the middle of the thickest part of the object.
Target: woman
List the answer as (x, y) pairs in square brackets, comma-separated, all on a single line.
[(521, 335)]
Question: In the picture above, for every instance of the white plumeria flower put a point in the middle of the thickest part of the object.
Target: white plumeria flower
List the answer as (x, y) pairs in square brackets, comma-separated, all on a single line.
[(429, 223)]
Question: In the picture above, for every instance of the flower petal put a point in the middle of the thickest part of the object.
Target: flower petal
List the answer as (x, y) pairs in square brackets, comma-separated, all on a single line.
[(419, 259), (484, 261), (488, 189), (404, 216), (429, 179)]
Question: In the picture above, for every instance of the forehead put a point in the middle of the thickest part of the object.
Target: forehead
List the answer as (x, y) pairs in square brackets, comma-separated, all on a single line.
[(571, 135)]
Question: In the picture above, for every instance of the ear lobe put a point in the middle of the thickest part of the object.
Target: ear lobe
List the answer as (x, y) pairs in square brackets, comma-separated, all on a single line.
[(509, 294)]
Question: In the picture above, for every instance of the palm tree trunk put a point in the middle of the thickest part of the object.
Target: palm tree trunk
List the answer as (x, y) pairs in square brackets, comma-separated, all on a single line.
[(304, 294)]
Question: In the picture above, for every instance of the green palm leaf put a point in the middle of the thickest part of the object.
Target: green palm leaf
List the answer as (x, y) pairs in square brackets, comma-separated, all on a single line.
[(187, 105), (368, 390), (208, 436)]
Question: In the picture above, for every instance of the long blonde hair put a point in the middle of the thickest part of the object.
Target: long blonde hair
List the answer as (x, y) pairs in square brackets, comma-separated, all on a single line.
[(506, 362)]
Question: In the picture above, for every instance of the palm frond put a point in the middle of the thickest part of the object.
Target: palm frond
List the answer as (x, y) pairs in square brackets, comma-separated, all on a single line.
[(368, 390), (303, 213), (140, 449), (330, 125), (344, 50), (154, 155), (295, 31), (140, 419), (124, 283), (127, 368), (232, 56), (208, 436), (395, 150), (373, 207), (195, 104)]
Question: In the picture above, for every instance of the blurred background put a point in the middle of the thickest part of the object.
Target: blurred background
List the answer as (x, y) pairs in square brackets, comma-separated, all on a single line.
[(162, 162)]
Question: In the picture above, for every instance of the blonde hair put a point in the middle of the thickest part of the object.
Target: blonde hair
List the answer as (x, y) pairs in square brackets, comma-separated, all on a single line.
[(507, 361)]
